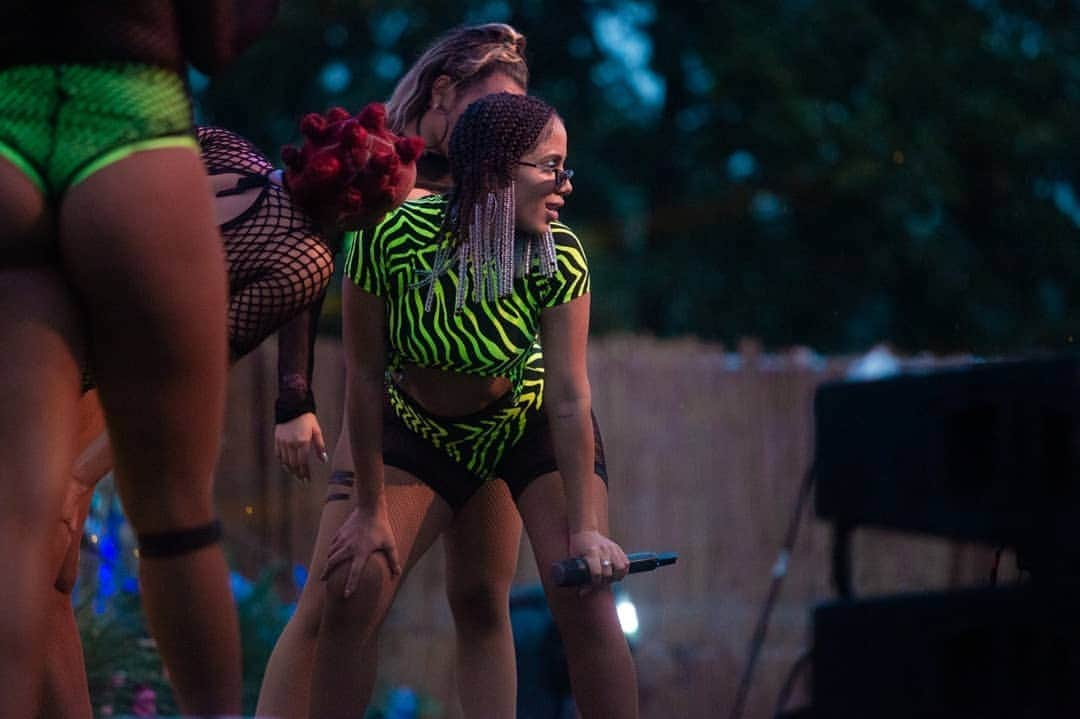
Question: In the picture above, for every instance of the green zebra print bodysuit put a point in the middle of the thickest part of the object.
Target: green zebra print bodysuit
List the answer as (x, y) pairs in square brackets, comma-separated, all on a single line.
[(494, 338)]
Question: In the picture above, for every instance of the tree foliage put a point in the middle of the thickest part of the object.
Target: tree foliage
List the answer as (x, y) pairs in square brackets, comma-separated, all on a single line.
[(829, 173)]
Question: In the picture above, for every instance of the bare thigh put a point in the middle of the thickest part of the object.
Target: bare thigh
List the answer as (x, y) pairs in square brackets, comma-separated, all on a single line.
[(544, 510), (139, 242), (27, 231), (42, 339)]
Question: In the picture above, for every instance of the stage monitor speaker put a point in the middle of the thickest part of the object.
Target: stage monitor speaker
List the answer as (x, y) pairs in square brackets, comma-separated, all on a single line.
[(986, 451), (972, 654)]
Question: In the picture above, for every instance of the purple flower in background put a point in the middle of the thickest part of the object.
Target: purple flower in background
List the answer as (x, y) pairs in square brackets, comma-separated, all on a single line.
[(144, 702)]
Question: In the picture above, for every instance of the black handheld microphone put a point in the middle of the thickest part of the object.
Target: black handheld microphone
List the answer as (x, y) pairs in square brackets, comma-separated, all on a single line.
[(573, 572)]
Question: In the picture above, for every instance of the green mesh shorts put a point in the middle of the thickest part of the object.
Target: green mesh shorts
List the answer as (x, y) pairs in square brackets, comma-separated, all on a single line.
[(59, 124)]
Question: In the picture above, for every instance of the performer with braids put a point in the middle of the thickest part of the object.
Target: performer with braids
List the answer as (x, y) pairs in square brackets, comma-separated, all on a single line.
[(109, 252), (447, 389), (280, 233), (461, 66), (481, 544)]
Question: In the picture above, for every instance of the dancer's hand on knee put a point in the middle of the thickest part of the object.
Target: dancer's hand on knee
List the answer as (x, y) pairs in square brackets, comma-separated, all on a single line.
[(606, 560), (366, 532), (296, 441)]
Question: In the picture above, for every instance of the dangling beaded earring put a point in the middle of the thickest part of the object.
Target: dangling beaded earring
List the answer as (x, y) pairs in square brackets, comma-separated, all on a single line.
[(546, 240), (489, 247), (488, 256)]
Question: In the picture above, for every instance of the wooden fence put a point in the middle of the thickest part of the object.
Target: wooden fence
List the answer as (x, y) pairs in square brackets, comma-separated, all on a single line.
[(705, 449)]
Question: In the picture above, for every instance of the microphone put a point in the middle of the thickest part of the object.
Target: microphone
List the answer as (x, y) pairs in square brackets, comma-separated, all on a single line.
[(574, 572)]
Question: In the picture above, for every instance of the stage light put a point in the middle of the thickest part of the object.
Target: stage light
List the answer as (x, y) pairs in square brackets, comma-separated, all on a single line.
[(628, 618)]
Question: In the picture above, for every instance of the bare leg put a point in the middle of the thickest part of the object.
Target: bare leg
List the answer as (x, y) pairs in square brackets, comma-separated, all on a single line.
[(141, 248), (481, 555), (66, 694), (41, 337), (93, 462), (40, 387), (417, 516), (601, 670), (286, 684), (482, 548)]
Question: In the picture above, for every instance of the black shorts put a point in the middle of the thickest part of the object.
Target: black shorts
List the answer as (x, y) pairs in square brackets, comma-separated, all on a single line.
[(530, 457)]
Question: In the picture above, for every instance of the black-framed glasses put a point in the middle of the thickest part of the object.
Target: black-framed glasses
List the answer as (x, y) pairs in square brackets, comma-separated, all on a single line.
[(562, 175)]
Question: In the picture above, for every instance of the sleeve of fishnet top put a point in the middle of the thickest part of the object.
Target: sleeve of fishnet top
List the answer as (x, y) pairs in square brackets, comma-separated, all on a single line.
[(296, 360), (296, 365)]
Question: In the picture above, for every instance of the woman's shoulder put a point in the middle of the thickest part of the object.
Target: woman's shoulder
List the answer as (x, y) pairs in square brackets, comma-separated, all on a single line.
[(421, 215), (426, 210), (565, 237), (421, 205), (426, 202)]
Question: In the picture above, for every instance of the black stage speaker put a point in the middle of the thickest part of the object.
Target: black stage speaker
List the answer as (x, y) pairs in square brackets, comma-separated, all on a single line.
[(987, 451), (1003, 653)]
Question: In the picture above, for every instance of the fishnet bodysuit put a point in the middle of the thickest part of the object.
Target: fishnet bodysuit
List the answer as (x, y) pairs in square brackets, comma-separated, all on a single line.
[(279, 266)]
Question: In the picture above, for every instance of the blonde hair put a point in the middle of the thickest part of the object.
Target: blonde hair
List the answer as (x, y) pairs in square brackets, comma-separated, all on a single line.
[(467, 55)]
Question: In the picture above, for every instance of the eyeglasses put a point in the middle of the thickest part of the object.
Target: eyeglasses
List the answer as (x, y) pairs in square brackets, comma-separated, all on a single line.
[(562, 176)]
